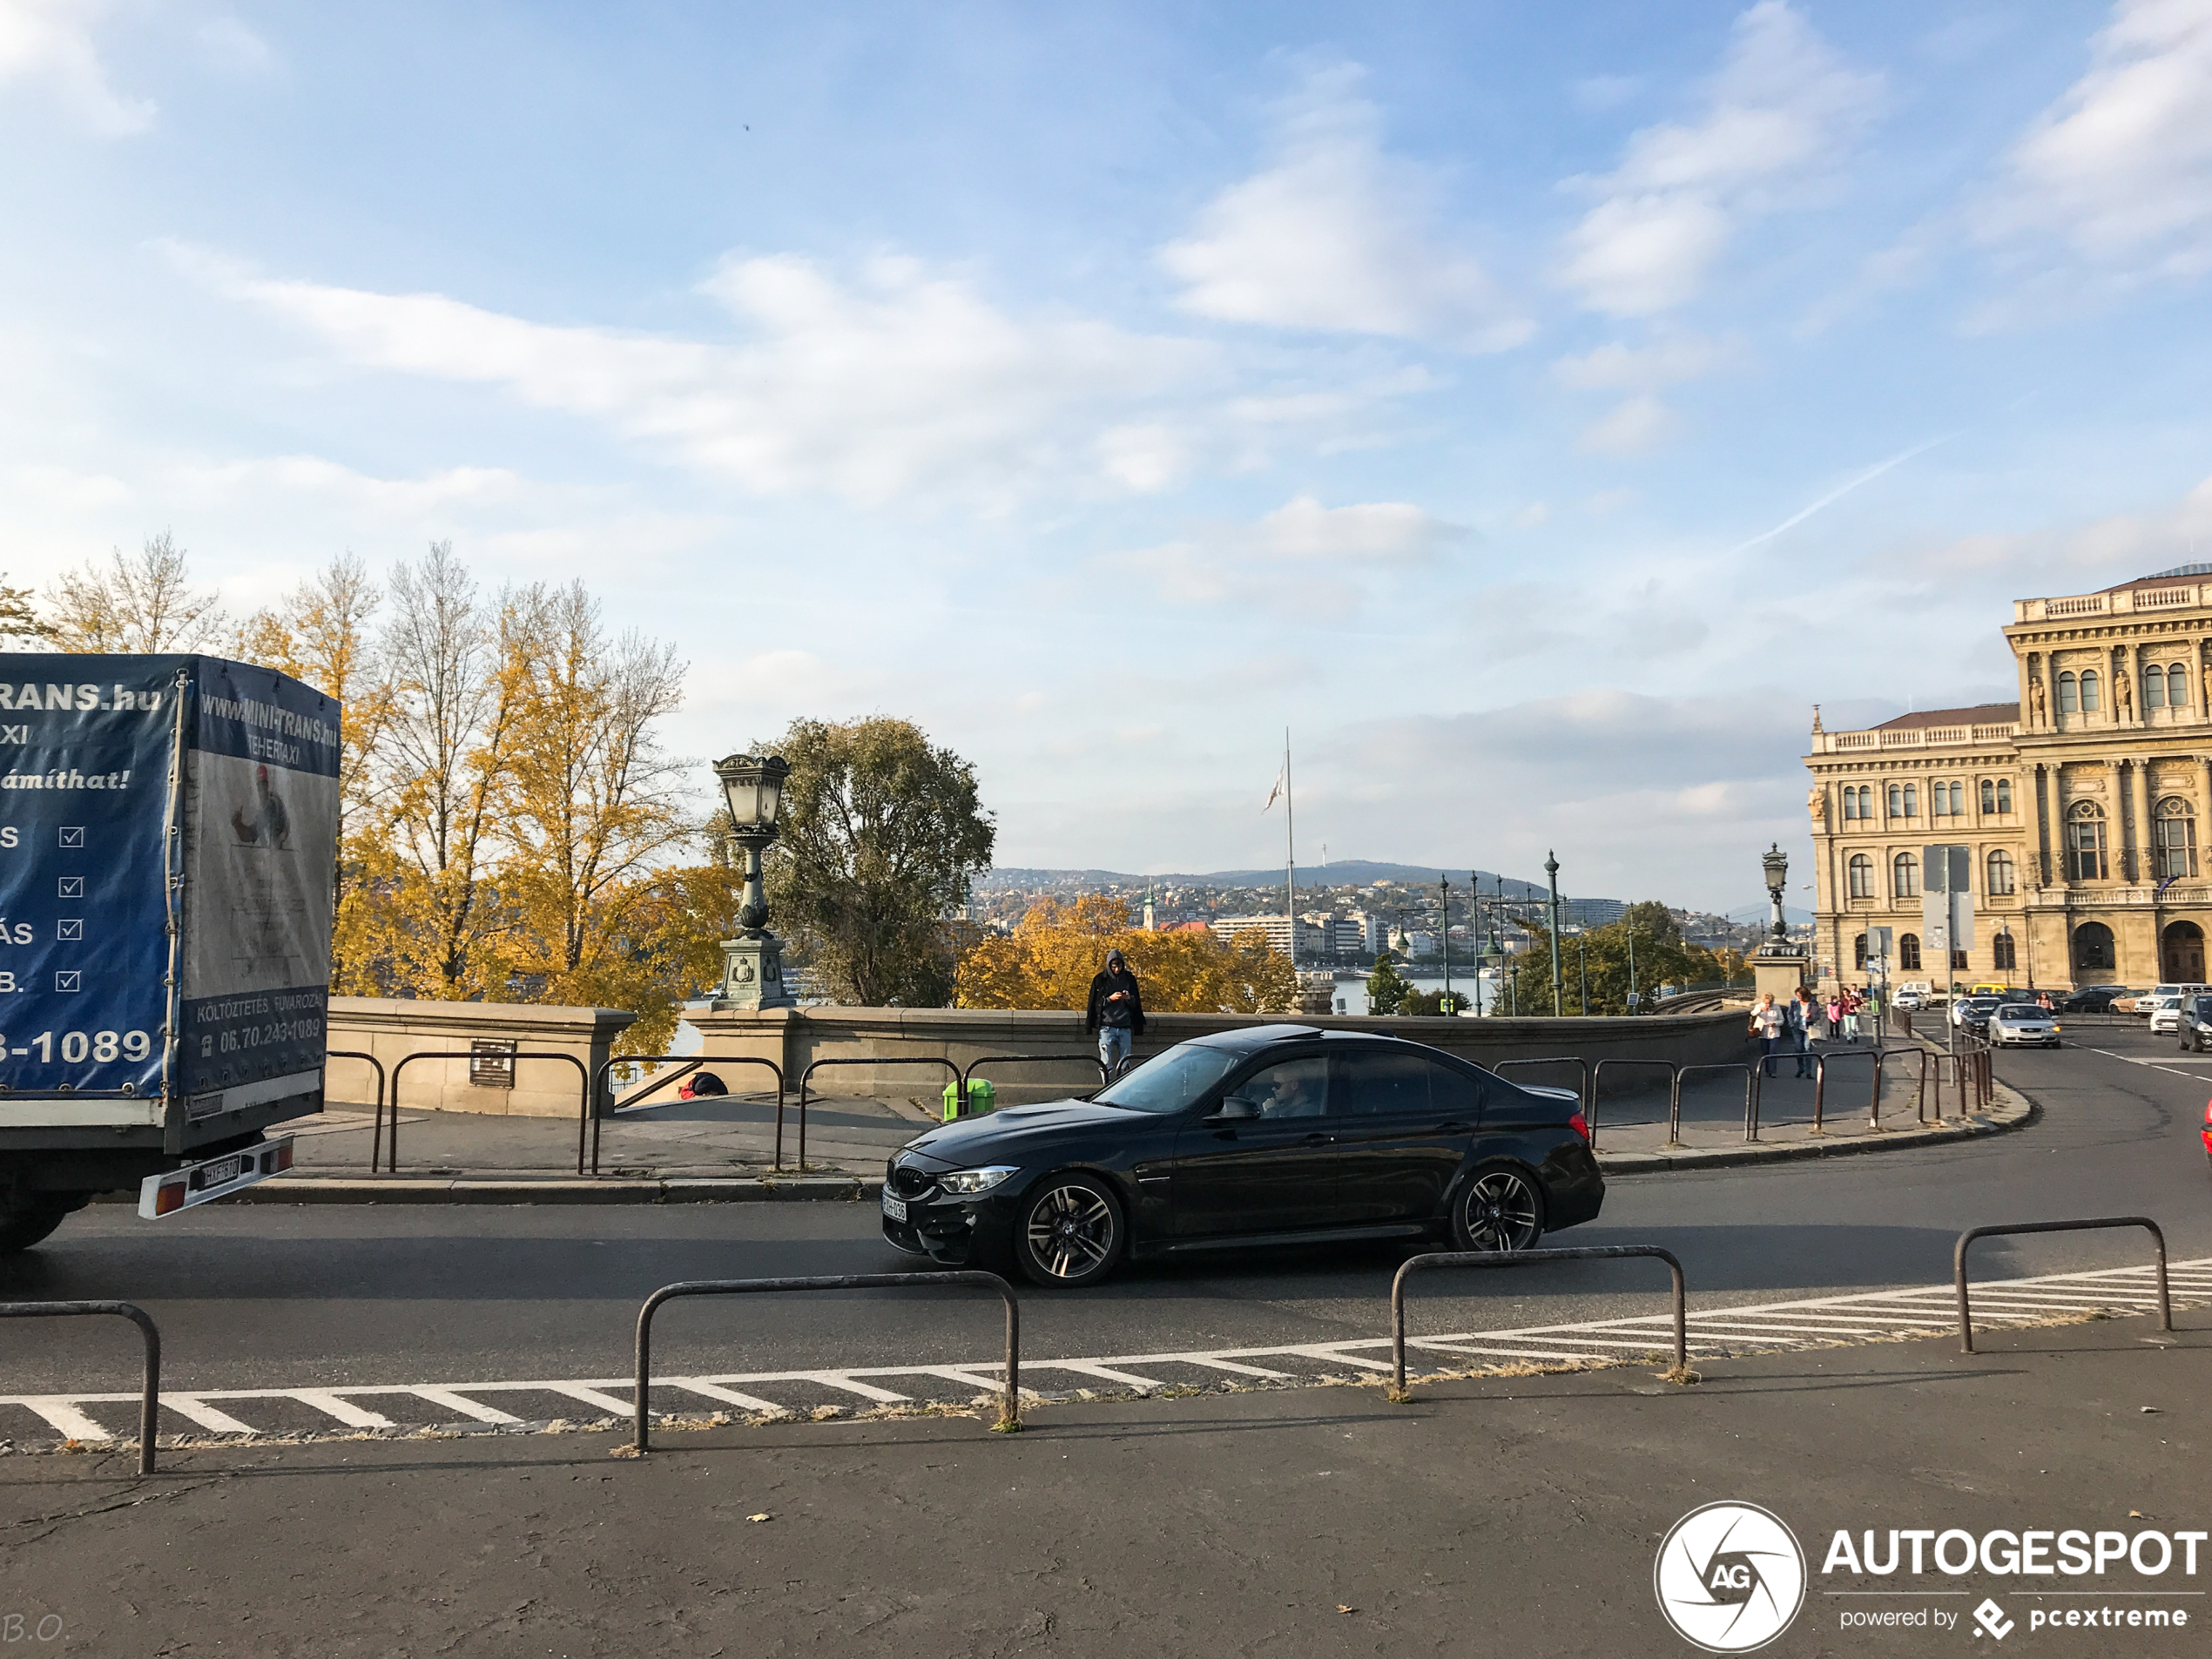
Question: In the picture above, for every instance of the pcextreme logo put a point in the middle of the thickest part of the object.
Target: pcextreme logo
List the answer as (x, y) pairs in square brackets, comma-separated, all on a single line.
[(1729, 1577)]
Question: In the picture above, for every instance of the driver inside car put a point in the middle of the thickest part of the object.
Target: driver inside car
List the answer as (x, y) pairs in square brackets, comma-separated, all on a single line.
[(1292, 1090)]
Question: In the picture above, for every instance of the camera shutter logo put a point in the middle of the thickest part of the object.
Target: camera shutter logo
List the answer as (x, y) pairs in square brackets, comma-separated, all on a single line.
[(1729, 1577)]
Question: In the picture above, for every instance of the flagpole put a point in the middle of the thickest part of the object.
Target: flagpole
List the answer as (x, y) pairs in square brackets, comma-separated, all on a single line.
[(1290, 852)]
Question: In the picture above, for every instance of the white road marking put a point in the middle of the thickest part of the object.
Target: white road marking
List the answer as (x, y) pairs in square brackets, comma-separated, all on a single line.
[(1752, 1328)]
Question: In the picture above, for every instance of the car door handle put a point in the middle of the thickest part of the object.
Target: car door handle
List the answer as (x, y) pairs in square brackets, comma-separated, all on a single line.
[(1321, 1140), (1453, 1129)]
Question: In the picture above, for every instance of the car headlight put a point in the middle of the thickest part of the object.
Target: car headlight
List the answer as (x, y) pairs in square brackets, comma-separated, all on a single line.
[(973, 1181)]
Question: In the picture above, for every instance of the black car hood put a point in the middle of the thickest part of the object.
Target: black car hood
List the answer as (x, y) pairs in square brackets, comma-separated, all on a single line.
[(1009, 1131)]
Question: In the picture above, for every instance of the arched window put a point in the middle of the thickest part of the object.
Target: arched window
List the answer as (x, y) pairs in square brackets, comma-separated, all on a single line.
[(2088, 691), (2000, 872), (2003, 794), (1904, 877), (1957, 799), (2068, 704), (1988, 796), (2093, 947), (1939, 802), (2001, 955), (1866, 800), (2173, 849), (1911, 800), (1862, 876), (1859, 952), (2177, 687), (2154, 687), (1896, 801), (1908, 951), (2084, 842)]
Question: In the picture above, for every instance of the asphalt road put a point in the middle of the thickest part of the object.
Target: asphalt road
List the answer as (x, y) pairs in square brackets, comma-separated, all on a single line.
[(308, 1296)]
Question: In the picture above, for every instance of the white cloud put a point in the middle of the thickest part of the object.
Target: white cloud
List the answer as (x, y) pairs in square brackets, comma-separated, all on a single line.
[(1337, 236), (50, 42), (902, 382), (1246, 564), (1668, 361), (2120, 168), (1781, 107), (1636, 425)]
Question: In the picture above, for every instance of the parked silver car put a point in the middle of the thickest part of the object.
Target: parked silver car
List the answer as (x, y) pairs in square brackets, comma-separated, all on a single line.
[(2024, 1025)]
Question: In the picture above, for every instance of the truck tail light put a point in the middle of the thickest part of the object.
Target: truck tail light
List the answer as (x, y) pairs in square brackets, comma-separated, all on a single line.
[(170, 1197)]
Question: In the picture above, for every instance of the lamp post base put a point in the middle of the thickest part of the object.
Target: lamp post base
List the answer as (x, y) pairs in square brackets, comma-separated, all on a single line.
[(753, 973)]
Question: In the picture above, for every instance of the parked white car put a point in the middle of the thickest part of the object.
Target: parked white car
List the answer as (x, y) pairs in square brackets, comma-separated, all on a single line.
[(2165, 1013)]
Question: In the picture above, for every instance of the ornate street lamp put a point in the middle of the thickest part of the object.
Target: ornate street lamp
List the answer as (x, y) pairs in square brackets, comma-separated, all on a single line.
[(1778, 880), (753, 971)]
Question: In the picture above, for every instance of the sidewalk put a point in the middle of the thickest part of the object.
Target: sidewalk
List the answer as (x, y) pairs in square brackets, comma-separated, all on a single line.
[(1513, 1515)]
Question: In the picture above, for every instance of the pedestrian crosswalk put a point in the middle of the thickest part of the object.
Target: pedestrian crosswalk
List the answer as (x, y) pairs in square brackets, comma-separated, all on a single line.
[(523, 1405)]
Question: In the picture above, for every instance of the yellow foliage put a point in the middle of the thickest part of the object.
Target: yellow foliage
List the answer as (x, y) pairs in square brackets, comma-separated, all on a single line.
[(1050, 958)]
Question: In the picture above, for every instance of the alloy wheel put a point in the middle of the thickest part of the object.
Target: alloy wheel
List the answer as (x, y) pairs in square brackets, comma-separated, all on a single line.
[(1501, 1212), (1071, 1232)]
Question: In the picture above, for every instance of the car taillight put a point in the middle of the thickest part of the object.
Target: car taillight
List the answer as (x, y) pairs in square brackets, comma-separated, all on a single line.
[(1581, 1124)]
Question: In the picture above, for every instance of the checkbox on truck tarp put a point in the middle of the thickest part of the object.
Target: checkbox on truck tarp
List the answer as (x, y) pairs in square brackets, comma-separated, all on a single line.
[(68, 979), (72, 835), (72, 886), (73, 929)]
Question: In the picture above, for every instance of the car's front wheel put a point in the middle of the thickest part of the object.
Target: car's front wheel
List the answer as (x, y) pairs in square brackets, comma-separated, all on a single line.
[(1070, 1233), (1500, 1210)]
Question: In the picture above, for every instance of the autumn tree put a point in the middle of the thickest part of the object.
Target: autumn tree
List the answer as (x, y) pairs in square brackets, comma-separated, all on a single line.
[(145, 604), (1048, 960), (18, 620), (1662, 957), (883, 835)]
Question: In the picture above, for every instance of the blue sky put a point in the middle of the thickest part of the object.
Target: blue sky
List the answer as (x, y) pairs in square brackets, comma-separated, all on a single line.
[(1109, 388)]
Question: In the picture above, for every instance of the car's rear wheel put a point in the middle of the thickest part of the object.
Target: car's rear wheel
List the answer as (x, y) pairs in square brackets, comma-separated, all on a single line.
[(1070, 1233), (1500, 1210)]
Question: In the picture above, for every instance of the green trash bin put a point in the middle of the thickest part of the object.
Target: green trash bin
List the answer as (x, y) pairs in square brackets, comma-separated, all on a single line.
[(982, 1097)]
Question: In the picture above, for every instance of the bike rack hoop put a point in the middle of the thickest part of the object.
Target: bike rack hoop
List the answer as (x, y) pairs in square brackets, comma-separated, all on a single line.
[(1597, 1085), (150, 1385), (691, 1063), (1751, 1097), (1528, 1259), (813, 1066), (1010, 1396), (1958, 1261), (376, 1131), (583, 1078), (968, 1070)]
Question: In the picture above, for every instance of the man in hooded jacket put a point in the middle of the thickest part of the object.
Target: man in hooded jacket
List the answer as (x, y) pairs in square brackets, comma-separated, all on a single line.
[(1116, 1012)]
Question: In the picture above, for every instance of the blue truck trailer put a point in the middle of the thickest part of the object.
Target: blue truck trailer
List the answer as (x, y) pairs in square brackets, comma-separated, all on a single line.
[(168, 858)]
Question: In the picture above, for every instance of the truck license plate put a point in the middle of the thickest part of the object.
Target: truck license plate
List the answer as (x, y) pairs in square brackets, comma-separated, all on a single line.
[(894, 1208), (222, 1171)]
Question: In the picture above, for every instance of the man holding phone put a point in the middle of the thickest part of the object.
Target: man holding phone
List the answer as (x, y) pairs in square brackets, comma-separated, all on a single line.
[(1116, 1012)]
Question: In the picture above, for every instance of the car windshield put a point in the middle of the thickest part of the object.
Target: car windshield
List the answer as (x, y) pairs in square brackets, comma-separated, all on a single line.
[(1169, 1081), (2020, 1011)]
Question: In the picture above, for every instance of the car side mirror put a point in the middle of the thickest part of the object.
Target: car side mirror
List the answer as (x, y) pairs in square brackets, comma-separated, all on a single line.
[(1236, 1107)]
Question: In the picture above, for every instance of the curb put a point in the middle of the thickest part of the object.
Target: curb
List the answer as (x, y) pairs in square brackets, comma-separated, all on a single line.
[(310, 1190), (2012, 1110)]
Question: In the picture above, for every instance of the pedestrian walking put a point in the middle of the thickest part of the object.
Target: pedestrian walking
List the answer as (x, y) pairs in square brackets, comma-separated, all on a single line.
[(1768, 1024), (1851, 1005), (1803, 1016), (1116, 1012), (1835, 1010)]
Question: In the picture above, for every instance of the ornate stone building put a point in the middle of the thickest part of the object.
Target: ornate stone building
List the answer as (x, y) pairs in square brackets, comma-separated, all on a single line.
[(2081, 802)]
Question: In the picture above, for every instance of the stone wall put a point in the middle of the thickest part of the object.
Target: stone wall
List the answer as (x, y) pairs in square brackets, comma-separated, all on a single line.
[(392, 1028), (919, 1041)]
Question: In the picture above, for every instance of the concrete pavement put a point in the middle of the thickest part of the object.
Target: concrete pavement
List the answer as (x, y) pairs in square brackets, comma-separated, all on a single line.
[(1517, 1516)]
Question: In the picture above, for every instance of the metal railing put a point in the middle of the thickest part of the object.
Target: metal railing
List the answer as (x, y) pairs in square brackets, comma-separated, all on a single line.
[(583, 1078), (376, 1119), (813, 1066), (690, 1064), (150, 1385), (1526, 1259), (1597, 1086), (1010, 1393), (1958, 1262), (1750, 1099), (960, 1101), (1877, 1054)]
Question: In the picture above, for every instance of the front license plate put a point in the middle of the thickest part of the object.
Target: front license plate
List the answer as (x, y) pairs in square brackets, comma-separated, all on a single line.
[(894, 1208)]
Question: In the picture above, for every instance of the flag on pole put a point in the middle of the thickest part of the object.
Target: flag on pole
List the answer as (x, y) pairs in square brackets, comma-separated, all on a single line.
[(1276, 789)]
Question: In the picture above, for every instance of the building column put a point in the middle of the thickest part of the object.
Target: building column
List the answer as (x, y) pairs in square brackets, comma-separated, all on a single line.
[(2143, 827), (2043, 819), (2122, 775)]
